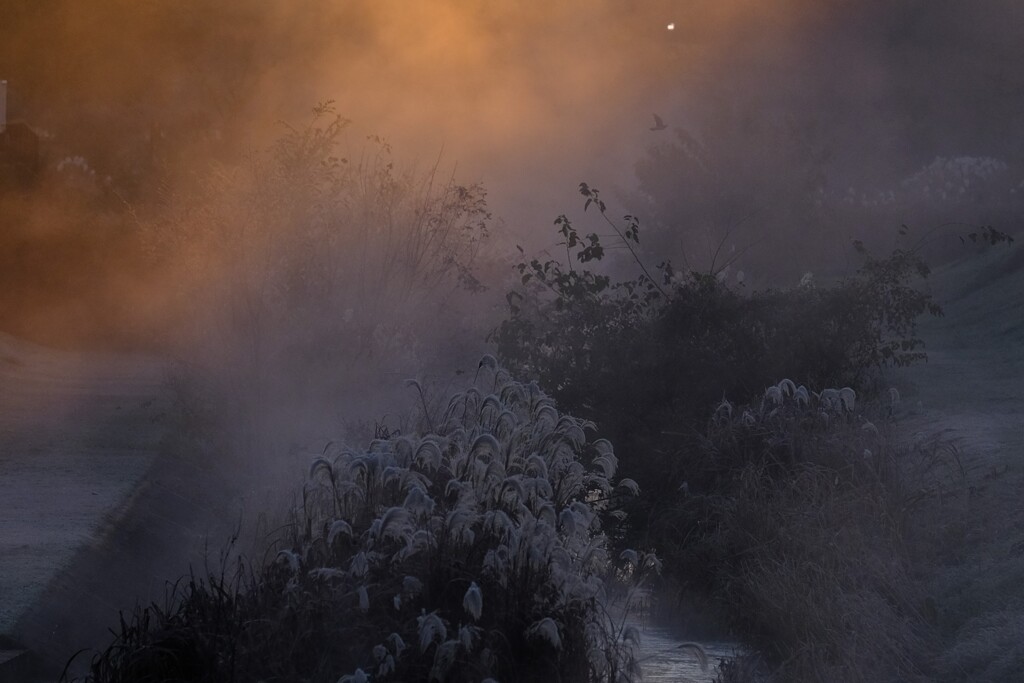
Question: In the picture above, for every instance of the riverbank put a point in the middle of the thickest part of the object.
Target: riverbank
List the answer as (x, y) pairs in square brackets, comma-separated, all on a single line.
[(966, 404), (78, 433)]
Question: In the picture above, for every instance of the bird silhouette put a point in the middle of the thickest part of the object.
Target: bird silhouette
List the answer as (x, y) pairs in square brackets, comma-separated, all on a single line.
[(658, 123)]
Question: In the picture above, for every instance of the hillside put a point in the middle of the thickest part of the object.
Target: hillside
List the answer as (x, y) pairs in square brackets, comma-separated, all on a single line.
[(966, 405)]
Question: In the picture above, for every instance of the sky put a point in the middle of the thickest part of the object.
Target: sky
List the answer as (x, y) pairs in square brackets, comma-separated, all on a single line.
[(530, 97), (814, 113)]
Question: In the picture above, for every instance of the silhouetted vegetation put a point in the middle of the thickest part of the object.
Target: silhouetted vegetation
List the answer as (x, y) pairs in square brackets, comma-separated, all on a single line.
[(467, 551), (744, 477)]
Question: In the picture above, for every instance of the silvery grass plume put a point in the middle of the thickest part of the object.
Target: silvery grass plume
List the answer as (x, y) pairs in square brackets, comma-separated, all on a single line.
[(489, 519), (787, 399), (793, 425)]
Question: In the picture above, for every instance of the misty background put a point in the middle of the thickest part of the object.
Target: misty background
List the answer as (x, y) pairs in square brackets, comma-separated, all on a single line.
[(170, 214), (190, 200), (532, 98)]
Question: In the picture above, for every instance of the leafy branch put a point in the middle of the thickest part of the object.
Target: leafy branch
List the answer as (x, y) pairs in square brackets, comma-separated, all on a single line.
[(630, 236)]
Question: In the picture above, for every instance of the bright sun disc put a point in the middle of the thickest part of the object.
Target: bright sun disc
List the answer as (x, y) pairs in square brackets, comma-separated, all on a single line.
[(671, 26)]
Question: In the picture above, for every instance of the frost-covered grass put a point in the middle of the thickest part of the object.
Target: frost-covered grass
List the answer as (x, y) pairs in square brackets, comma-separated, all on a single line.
[(805, 540), (472, 550), (479, 543)]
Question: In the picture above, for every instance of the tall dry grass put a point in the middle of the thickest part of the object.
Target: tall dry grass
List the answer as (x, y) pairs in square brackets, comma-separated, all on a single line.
[(472, 549)]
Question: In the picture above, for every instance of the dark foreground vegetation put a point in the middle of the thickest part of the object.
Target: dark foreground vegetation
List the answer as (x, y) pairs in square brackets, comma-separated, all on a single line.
[(769, 490), (471, 551)]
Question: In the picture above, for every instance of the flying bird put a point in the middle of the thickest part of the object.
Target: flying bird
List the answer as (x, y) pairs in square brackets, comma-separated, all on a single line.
[(658, 123)]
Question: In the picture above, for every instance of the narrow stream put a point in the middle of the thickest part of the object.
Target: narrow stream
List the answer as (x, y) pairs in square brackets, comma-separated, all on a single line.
[(662, 659)]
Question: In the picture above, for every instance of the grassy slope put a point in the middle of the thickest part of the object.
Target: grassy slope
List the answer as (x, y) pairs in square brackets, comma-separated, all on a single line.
[(78, 433), (968, 400)]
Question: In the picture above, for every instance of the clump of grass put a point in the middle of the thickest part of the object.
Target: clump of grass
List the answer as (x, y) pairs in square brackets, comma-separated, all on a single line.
[(800, 535), (469, 551), (477, 543), (204, 628)]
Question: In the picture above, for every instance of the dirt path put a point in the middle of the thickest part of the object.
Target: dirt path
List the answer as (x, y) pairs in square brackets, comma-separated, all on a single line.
[(968, 400), (78, 432)]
